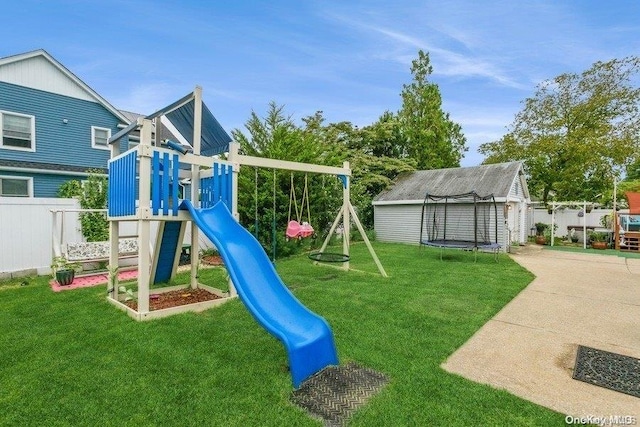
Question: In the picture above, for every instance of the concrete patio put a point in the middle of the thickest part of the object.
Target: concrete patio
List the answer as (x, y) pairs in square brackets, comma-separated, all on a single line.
[(529, 347)]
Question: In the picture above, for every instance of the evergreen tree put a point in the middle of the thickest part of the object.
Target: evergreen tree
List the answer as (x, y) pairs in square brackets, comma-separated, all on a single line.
[(430, 136)]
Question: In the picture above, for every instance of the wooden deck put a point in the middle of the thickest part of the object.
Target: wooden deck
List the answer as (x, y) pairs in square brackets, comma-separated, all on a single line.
[(631, 242)]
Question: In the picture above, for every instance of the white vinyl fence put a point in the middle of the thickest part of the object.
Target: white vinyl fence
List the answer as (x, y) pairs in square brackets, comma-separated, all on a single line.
[(26, 233), (566, 219)]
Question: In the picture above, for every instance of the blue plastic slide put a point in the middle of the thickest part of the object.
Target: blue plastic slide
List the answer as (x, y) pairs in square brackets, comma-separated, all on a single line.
[(306, 336)]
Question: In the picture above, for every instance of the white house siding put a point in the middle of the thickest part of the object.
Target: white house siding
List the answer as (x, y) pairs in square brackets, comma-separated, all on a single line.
[(400, 223), (38, 73)]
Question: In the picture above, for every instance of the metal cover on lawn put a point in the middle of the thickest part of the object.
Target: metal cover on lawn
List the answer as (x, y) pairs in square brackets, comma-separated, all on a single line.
[(608, 370), (336, 392)]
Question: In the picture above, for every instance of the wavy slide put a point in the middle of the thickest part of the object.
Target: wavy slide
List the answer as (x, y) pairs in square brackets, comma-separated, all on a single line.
[(306, 336)]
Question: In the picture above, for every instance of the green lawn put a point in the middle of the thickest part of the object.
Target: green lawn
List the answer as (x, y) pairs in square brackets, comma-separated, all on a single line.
[(71, 358)]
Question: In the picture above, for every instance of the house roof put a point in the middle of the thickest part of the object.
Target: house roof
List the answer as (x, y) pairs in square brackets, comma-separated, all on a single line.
[(214, 139), (32, 81), (19, 165), (495, 179)]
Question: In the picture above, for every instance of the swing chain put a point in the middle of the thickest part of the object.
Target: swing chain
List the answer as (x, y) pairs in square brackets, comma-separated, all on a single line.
[(293, 201)]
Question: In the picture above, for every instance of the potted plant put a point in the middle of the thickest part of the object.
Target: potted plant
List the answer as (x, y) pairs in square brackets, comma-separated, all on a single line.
[(598, 240), (540, 229), (64, 271)]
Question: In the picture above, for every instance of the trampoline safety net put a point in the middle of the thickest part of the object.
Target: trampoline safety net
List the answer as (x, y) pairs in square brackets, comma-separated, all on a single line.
[(466, 221)]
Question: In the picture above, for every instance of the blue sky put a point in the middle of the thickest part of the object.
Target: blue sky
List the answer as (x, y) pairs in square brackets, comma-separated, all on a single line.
[(346, 58)]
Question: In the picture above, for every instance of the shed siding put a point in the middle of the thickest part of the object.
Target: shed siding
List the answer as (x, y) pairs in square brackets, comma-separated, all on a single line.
[(516, 189), (459, 224), (397, 223), (57, 142)]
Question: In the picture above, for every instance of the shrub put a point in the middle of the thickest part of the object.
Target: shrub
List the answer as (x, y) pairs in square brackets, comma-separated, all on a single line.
[(92, 194)]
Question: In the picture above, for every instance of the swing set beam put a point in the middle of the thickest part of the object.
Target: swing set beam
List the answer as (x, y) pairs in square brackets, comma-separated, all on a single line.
[(263, 162), (347, 212)]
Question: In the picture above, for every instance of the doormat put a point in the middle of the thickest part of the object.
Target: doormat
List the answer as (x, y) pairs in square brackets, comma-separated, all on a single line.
[(336, 392), (609, 370)]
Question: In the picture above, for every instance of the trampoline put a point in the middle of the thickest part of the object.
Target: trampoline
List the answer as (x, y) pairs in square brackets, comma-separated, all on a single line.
[(465, 221)]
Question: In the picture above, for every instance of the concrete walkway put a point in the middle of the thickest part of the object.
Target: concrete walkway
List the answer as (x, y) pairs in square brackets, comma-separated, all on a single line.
[(529, 347)]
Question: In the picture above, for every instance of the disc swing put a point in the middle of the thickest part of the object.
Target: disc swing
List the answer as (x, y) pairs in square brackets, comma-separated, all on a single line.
[(296, 228), (328, 257)]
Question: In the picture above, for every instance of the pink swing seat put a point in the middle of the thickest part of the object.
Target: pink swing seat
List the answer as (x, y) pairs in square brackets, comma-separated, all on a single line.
[(295, 230)]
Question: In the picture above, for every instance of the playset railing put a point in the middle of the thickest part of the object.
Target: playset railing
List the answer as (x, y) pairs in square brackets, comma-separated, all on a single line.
[(218, 186), (122, 184), (169, 172)]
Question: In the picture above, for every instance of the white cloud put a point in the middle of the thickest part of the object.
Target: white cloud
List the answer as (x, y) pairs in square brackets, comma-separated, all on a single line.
[(447, 62), (149, 97)]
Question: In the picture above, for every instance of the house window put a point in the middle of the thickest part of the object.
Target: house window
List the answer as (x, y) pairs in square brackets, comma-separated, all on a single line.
[(134, 141), (15, 187), (99, 137), (18, 131)]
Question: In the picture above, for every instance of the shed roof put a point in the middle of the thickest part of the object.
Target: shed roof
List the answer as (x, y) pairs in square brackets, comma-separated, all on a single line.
[(495, 179)]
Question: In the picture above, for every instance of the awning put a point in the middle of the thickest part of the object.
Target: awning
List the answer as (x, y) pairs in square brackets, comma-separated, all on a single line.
[(634, 202), (214, 140)]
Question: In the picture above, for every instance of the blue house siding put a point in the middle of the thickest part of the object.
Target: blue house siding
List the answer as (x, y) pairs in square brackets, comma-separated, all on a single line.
[(44, 185), (57, 142)]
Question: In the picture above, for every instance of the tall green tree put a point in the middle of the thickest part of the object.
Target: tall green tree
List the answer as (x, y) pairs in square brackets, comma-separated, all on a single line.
[(264, 196), (383, 138), (315, 141), (371, 175), (373, 152), (577, 132), (430, 136)]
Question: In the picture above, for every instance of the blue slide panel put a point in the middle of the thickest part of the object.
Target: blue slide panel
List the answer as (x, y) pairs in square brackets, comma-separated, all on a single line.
[(306, 336), (167, 253)]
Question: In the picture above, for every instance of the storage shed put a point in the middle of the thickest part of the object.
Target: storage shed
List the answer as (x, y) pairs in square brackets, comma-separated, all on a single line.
[(397, 210)]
